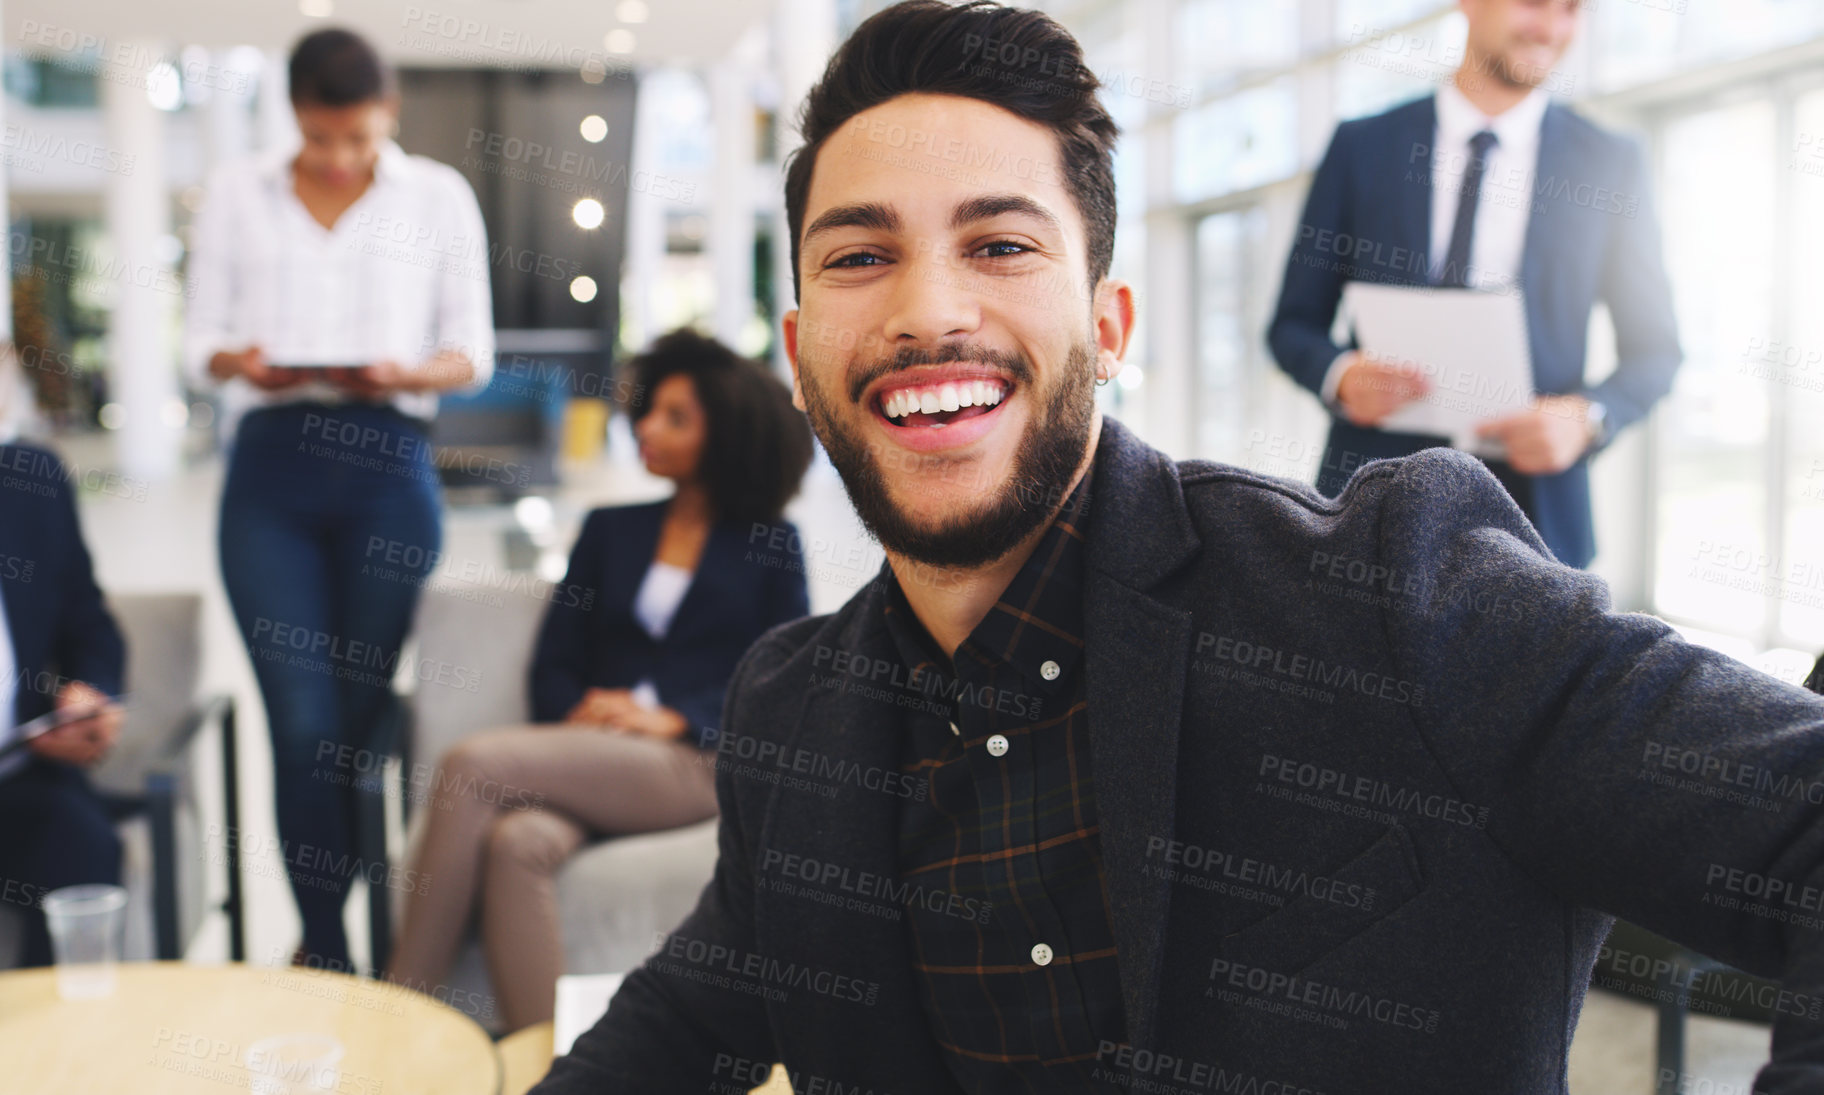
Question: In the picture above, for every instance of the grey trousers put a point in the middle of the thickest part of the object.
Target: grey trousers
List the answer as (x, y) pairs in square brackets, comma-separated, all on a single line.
[(505, 811)]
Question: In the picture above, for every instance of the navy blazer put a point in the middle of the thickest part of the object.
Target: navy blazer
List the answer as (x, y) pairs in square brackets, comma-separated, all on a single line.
[(751, 577), (59, 624), (1592, 235), (1370, 773)]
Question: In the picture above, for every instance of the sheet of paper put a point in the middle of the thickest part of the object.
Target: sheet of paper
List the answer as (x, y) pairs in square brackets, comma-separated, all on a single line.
[(581, 1000), (1472, 346)]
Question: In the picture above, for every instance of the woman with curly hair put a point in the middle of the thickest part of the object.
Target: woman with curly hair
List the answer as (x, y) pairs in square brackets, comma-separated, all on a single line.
[(627, 685)]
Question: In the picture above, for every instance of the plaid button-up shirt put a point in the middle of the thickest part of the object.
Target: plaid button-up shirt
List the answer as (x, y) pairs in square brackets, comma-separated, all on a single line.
[(1018, 977)]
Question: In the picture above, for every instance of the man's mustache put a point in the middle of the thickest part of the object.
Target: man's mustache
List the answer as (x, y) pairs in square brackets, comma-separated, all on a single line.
[(1011, 362)]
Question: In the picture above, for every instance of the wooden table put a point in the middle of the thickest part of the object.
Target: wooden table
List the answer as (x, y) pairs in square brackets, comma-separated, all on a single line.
[(172, 1028), (525, 1057)]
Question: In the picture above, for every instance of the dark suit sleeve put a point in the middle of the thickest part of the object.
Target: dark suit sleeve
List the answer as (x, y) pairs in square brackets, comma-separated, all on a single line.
[(560, 670), (1623, 768), (87, 646), (1639, 295), (671, 1027), (1300, 333)]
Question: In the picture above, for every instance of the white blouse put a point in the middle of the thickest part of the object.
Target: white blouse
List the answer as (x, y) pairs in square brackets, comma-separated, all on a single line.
[(661, 591), (655, 605), (403, 276)]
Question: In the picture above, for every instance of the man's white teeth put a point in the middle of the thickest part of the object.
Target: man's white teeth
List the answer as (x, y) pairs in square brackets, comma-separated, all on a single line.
[(951, 396)]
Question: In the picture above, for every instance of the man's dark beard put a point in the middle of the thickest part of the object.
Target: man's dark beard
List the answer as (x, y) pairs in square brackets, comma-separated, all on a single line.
[(1048, 455), (1516, 76)]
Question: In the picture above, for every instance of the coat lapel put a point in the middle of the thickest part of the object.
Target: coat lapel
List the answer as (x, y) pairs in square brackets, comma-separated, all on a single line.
[(1411, 208), (1136, 653), (631, 552), (708, 584)]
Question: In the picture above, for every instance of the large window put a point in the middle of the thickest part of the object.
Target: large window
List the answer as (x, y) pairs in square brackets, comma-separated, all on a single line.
[(1740, 542)]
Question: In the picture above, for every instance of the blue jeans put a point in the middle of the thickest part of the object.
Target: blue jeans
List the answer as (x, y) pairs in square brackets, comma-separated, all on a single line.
[(330, 523)]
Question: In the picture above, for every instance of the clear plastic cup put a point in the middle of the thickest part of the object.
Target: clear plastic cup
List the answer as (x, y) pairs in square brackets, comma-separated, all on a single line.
[(86, 923), (294, 1064)]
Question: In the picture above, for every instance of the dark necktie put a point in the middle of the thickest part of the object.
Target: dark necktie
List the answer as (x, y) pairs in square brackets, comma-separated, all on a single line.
[(1462, 234)]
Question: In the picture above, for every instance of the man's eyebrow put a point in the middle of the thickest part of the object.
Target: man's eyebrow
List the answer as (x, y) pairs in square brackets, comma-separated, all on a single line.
[(996, 205), (882, 218)]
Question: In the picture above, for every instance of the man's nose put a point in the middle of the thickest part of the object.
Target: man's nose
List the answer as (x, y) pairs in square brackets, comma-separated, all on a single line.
[(934, 300)]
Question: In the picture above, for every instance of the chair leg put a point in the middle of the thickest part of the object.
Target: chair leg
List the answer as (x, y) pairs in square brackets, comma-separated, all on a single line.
[(161, 815), (1671, 1054), (235, 905)]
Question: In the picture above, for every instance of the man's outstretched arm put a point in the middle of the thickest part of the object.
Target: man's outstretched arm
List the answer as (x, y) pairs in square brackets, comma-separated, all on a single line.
[(1558, 713)]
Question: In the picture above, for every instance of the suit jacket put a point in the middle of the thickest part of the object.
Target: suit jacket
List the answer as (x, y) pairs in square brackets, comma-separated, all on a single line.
[(60, 626), (1592, 235), (750, 578), (1371, 772)]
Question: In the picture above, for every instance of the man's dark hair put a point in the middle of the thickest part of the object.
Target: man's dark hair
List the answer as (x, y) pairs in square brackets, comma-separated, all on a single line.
[(1019, 60), (337, 68), (756, 445)]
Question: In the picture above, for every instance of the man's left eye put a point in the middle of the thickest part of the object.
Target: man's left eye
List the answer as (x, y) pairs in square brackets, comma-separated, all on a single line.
[(1001, 249)]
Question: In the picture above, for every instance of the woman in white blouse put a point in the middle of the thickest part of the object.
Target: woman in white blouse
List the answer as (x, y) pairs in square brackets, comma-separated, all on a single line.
[(336, 289), (628, 677)]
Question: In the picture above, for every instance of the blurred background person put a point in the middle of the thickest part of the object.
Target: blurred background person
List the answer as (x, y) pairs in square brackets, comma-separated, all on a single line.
[(628, 675), (1495, 188), (59, 649), (332, 341)]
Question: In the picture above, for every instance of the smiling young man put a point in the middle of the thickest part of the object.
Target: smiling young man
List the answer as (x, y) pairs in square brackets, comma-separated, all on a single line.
[(1134, 774)]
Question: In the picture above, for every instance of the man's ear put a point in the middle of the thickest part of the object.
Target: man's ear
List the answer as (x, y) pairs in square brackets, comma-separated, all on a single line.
[(1114, 320), (789, 328)]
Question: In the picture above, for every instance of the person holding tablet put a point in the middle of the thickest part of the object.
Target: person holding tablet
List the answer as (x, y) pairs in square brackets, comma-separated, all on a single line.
[(336, 289), (62, 661)]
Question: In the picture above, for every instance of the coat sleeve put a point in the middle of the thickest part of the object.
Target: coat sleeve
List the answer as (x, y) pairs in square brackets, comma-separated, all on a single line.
[(88, 645), (1300, 333), (560, 658), (1639, 295), (668, 1029), (1625, 769)]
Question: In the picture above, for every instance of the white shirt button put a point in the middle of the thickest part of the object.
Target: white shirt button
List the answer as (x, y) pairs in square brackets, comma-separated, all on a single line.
[(997, 745), (1041, 954), (1050, 670), (954, 729)]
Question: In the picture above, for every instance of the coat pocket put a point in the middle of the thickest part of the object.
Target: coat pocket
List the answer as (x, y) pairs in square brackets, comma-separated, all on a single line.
[(1351, 899)]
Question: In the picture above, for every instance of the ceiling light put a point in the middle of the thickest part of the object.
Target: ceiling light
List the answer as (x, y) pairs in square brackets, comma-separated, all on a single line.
[(588, 213)]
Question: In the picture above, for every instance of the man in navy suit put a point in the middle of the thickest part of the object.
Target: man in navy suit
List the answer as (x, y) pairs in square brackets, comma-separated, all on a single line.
[(59, 649), (1488, 185)]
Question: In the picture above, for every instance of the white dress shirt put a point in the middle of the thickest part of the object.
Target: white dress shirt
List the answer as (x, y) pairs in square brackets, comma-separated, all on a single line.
[(655, 605), (403, 276), (1505, 205), (9, 696)]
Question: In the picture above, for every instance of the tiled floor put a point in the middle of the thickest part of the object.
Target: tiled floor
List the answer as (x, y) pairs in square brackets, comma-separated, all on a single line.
[(166, 541)]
